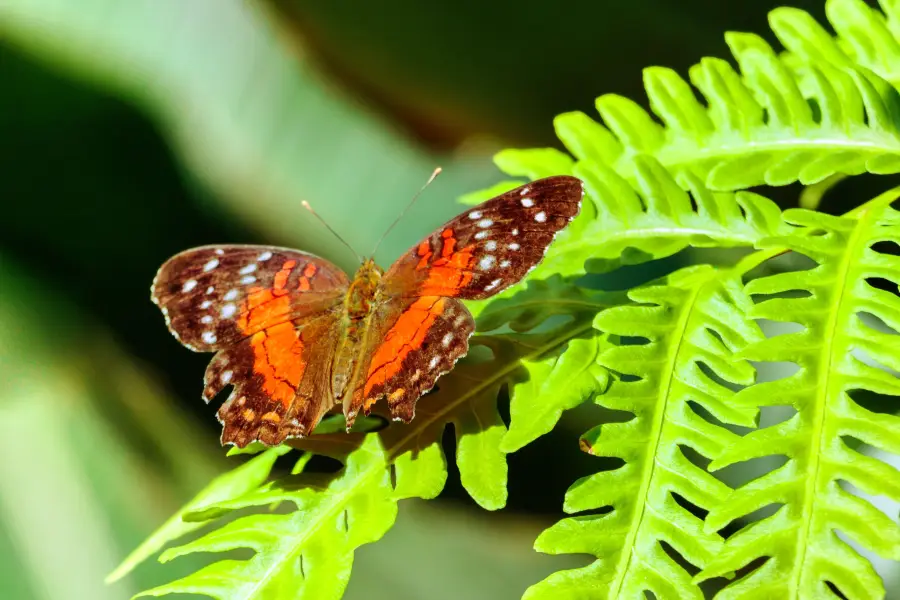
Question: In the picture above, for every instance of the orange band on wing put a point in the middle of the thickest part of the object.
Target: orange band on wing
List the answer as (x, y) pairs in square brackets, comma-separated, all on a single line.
[(278, 358), (263, 307), (424, 254), (281, 276), (449, 274), (407, 334), (308, 272), (449, 243)]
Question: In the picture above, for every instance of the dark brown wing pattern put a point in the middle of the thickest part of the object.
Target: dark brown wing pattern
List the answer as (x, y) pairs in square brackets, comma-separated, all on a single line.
[(272, 313), (213, 296), (490, 247)]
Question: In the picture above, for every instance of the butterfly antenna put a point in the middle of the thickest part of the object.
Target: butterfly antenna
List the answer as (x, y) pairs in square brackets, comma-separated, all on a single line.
[(436, 172), (328, 227)]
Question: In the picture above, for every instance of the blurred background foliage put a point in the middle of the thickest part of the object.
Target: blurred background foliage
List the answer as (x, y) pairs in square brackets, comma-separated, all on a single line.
[(132, 130)]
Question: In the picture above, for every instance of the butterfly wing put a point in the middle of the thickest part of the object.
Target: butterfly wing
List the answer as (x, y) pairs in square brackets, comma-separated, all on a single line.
[(282, 381), (273, 315), (214, 296), (421, 329), (416, 341), (489, 248)]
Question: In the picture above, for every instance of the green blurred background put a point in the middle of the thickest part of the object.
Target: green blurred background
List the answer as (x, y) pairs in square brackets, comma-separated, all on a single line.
[(131, 130)]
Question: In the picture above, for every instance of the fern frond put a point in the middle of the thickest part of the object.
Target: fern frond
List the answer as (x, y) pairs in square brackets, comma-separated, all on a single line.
[(306, 553), (840, 353), (693, 324), (629, 223), (227, 486), (805, 116)]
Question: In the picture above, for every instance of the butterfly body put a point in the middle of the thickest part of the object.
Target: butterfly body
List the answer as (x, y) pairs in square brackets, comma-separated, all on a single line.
[(295, 337)]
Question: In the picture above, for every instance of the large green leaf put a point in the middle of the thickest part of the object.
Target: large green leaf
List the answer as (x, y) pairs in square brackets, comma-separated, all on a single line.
[(841, 352), (692, 326)]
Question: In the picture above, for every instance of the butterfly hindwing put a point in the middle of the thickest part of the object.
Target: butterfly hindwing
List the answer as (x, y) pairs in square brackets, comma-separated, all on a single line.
[(417, 341), (214, 296), (490, 247), (280, 378)]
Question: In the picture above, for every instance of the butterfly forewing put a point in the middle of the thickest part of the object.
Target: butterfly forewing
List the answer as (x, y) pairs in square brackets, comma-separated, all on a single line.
[(490, 247), (214, 296)]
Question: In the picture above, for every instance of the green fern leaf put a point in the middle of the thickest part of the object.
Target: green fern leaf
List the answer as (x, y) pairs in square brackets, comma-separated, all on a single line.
[(306, 553), (693, 324), (839, 353), (758, 126), (227, 486)]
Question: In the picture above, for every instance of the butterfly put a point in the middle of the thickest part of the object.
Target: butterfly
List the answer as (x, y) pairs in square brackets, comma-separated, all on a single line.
[(295, 336)]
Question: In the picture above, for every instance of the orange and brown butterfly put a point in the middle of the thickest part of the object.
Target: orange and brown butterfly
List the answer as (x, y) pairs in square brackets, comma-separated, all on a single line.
[(296, 337)]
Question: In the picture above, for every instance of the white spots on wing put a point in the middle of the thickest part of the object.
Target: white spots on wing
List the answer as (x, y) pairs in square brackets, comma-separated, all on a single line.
[(445, 342), (487, 262), (527, 202), (205, 304), (228, 311), (491, 246), (415, 376), (165, 311), (241, 400), (482, 234), (226, 376), (492, 285), (514, 246), (264, 256), (459, 320), (248, 280), (209, 337), (525, 190), (219, 251), (540, 217), (485, 223), (206, 319), (230, 295), (210, 290), (248, 269), (189, 285), (505, 263), (434, 362), (515, 231), (211, 265), (475, 214)]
